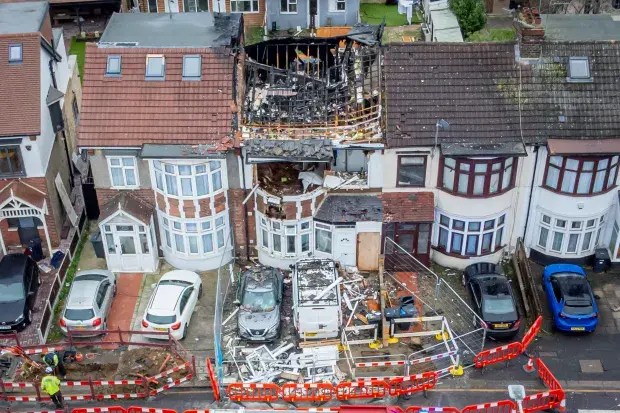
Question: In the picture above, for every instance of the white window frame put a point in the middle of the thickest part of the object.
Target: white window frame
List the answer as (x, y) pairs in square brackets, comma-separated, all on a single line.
[(573, 227), (20, 48), (333, 6), (120, 65), (163, 67), (165, 172), (288, 7), (188, 57), (277, 228), (235, 9), (319, 226), (174, 229), (494, 226), (124, 168)]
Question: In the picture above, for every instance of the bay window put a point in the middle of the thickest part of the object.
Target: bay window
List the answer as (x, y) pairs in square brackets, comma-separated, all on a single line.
[(477, 177), (194, 238), (287, 238), (567, 236), (581, 175), (188, 181), (468, 237)]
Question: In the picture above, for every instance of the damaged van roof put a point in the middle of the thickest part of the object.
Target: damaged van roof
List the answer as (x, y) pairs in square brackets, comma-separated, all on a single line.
[(313, 277)]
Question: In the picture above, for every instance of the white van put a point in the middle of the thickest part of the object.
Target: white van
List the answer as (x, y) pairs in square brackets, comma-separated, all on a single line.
[(316, 299)]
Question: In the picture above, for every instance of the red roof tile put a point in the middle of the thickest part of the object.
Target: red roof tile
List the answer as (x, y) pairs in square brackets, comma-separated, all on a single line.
[(129, 110), (20, 86), (25, 192), (408, 206)]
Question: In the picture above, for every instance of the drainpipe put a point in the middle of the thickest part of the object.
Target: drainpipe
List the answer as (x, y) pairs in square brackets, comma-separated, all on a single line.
[(529, 204), (245, 208)]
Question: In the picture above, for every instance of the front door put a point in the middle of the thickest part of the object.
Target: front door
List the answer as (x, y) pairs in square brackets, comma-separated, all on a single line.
[(368, 251), (219, 6), (128, 247), (411, 238), (172, 6), (345, 246)]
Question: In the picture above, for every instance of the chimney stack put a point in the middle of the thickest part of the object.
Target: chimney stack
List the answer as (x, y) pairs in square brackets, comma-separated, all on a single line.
[(530, 32)]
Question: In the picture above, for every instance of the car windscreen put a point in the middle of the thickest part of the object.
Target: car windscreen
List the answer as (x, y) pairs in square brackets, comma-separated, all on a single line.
[(11, 291), (161, 319), (497, 305), (79, 314), (258, 301)]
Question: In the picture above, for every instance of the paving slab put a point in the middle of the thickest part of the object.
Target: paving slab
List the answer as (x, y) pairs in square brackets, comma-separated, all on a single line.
[(591, 366)]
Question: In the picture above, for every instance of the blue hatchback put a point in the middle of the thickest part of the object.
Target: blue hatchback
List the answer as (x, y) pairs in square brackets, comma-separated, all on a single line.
[(570, 298)]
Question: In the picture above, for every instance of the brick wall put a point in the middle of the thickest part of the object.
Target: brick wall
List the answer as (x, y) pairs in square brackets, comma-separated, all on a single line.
[(238, 221)]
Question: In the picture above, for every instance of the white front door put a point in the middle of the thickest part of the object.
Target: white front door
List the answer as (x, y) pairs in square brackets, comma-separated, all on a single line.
[(219, 6), (345, 246), (172, 6), (128, 247)]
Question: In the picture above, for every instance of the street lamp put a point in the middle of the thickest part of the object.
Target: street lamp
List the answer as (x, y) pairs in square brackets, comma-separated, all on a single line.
[(517, 393), (443, 125)]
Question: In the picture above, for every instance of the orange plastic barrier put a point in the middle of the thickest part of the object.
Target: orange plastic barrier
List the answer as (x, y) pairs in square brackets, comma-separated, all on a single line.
[(498, 354), (412, 384), (352, 408), (502, 406), (362, 390), (252, 392), (195, 411), (546, 376), (543, 401), (307, 392), (110, 409), (530, 334), (138, 409), (416, 409), (214, 384)]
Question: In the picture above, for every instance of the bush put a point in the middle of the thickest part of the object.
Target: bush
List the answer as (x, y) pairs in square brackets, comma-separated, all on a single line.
[(470, 15)]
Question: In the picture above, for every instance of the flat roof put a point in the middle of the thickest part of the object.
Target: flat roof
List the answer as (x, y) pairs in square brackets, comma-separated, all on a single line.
[(581, 27), (202, 29), (22, 17)]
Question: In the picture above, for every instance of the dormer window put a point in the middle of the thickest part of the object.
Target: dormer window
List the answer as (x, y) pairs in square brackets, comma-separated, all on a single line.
[(191, 67), (113, 68), (15, 53), (579, 70), (155, 67)]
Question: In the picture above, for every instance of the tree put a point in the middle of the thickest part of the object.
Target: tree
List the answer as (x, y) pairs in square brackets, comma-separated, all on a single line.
[(470, 15)]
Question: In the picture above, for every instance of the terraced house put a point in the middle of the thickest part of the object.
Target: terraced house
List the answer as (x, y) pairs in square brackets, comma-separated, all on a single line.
[(40, 106)]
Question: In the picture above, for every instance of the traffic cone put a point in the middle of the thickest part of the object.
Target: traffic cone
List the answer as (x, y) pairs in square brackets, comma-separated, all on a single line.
[(529, 366)]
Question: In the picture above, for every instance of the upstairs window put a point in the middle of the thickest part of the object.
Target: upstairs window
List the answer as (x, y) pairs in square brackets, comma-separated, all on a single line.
[(15, 53), (192, 67), (581, 176), (11, 161), (477, 177), (337, 5), (113, 68), (579, 70), (244, 6), (155, 67), (411, 170), (123, 171), (288, 6)]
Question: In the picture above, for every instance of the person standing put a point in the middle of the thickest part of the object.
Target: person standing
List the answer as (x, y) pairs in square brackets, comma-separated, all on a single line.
[(54, 361), (51, 385)]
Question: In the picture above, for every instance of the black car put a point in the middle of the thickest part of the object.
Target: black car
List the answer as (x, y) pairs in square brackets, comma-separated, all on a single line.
[(19, 283), (492, 298)]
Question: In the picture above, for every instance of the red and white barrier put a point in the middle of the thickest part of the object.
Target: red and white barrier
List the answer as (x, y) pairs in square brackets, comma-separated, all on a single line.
[(382, 363), (174, 369), (173, 384), (435, 357)]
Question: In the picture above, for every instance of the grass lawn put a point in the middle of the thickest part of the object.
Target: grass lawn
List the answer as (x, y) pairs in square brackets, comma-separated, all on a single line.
[(253, 35), (79, 49), (493, 35), (373, 13)]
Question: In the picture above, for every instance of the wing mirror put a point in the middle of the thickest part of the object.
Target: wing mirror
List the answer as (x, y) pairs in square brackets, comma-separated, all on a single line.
[(237, 303)]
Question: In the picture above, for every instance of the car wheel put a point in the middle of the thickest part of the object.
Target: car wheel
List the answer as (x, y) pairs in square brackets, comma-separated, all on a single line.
[(200, 292), (184, 332)]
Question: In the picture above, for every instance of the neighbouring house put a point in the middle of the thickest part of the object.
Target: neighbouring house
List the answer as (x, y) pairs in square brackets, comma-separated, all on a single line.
[(312, 138), (291, 14), (157, 123), (514, 141), (40, 93)]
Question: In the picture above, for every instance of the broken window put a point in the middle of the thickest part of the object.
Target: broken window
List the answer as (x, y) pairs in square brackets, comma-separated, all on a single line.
[(290, 178), (287, 238), (323, 237), (411, 170), (351, 160)]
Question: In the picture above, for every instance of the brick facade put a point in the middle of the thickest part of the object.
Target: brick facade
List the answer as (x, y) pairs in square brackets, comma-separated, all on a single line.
[(238, 222)]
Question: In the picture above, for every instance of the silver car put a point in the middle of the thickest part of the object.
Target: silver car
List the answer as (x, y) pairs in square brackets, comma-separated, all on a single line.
[(259, 298), (89, 301)]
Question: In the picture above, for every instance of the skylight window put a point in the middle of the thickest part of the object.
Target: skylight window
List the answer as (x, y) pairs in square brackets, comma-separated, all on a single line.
[(15, 53), (155, 67), (114, 65), (579, 69), (191, 67)]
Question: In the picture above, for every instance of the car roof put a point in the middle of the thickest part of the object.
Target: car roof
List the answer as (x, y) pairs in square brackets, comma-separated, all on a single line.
[(82, 294), (12, 266), (572, 285), (165, 298), (182, 275), (483, 268)]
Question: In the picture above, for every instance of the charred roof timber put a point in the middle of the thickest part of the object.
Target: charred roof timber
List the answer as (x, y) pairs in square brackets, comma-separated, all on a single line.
[(326, 88)]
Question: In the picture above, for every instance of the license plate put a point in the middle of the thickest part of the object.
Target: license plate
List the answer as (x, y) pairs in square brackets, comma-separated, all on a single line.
[(501, 325), (161, 329), (577, 329), (5, 327), (310, 334), (79, 328)]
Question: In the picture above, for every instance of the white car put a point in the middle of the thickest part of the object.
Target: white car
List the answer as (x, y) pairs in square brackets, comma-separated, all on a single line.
[(172, 304)]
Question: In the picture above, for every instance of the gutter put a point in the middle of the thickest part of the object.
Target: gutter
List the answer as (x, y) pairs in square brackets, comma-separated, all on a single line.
[(50, 50)]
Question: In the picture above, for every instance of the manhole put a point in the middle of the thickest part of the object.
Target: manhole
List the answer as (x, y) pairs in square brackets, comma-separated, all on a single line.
[(591, 366)]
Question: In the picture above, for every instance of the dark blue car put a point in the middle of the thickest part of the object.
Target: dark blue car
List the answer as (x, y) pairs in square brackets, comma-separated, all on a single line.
[(570, 298)]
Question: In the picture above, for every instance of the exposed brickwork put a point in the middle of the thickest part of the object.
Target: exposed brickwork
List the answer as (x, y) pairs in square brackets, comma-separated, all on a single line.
[(306, 208), (160, 202), (205, 207), (261, 206), (220, 203), (290, 209), (173, 207), (238, 221), (190, 209)]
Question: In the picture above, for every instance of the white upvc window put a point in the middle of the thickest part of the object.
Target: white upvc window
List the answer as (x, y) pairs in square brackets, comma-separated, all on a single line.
[(285, 238), (566, 236), (323, 237), (195, 237), (337, 6), (188, 180), (123, 172), (244, 6), (470, 237), (288, 6)]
